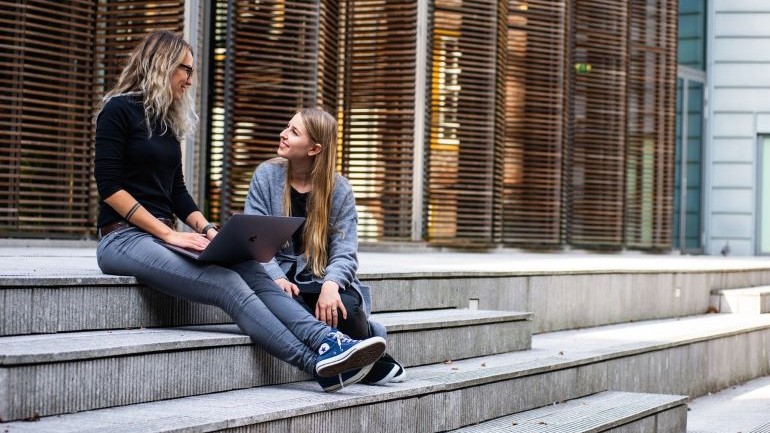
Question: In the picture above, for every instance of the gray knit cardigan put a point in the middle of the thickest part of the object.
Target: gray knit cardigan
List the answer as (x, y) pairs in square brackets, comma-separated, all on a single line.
[(265, 197)]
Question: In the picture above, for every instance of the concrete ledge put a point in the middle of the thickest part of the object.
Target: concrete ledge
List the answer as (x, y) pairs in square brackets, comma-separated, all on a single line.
[(690, 357), (39, 372), (752, 300), (559, 301), (602, 412)]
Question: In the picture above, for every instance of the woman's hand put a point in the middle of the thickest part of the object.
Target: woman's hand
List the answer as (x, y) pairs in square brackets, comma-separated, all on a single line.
[(194, 241), (329, 306), (287, 286)]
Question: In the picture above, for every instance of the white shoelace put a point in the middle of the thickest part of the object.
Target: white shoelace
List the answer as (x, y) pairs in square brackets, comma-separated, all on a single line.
[(340, 337)]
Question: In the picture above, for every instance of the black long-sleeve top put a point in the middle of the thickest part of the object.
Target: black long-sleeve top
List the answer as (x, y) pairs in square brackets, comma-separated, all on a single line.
[(150, 169)]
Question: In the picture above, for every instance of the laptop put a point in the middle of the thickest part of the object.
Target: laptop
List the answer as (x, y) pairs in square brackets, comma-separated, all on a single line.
[(245, 237)]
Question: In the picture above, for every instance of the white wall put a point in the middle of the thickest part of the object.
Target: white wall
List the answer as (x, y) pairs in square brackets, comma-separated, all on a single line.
[(738, 111)]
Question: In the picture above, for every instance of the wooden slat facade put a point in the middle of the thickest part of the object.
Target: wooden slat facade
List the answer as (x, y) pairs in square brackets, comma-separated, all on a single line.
[(462, 154), (650, 151), (46, 68), (281, 56), (548, 122), (378, 114), (594, 175), (536, 121), (57, 59)]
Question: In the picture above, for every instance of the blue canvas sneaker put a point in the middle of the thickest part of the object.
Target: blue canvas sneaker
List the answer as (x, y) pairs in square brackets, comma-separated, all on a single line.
[(335, 383), (339, 353)]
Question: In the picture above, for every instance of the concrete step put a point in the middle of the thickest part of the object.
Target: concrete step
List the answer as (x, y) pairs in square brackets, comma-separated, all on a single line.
[(608, 411), (689, 356), (560, 300), (750, 300), (59, 373), (61, 289), (59, 298), (94, 303)]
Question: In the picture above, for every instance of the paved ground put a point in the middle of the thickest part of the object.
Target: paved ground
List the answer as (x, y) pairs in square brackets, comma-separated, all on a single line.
[(739, 409)]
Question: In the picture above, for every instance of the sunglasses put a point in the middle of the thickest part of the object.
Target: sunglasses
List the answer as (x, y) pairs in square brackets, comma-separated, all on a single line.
[(188, 69)]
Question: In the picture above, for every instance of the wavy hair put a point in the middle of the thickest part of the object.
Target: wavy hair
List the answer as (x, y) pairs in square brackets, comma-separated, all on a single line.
[(321, 128), (148, 73)]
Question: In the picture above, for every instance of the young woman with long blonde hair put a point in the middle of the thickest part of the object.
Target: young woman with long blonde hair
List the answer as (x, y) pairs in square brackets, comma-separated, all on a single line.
[(317, 267), (138, 170)]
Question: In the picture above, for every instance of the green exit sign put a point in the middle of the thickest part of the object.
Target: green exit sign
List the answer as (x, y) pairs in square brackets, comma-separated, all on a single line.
[(582, 68)]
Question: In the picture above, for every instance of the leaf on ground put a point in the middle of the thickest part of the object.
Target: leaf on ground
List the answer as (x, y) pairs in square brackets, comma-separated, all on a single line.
[(35, 417)]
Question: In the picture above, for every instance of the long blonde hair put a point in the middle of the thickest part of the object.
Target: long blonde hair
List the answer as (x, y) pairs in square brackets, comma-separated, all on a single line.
[(148, 73), (321, 128)]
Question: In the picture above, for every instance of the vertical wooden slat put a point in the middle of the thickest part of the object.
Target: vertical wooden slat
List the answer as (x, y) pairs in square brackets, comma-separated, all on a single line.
[(651, 102), (461, 161), (536, 119), (378, 114), (595, 170), (501, 120), (219, 123)]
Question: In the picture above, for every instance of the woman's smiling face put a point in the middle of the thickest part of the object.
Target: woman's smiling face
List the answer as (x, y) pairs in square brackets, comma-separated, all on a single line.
[(295, 144)]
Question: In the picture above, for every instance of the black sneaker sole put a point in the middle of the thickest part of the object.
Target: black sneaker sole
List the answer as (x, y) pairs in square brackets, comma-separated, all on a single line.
[(363, 354)]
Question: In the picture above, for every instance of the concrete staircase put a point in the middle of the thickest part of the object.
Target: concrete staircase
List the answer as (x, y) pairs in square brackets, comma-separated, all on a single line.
[(609, 359)]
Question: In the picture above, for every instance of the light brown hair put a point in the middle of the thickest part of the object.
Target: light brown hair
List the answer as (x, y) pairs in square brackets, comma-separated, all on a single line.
[(321, 128)]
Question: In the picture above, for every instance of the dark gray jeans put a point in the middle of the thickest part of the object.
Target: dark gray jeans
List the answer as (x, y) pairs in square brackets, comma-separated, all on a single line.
[(274, 321)]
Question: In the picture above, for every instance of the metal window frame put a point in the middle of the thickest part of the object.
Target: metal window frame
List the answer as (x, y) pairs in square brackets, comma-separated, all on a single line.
[(688, 74)]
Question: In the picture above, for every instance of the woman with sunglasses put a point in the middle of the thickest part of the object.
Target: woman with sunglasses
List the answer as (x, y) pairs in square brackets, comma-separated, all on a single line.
[(318, 265), (138, 170)]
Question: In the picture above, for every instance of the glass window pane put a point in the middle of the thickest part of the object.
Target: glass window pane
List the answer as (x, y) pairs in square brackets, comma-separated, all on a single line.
[(692, 33)]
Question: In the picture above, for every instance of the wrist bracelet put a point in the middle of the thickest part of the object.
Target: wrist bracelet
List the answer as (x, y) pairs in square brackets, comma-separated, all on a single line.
[(208, 227)]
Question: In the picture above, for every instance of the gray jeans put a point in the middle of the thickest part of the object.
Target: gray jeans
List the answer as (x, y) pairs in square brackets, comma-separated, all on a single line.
[(274, 321)]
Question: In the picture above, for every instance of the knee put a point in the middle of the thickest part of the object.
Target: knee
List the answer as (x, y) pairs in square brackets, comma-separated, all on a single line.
[(377, 329), (229, 288)]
